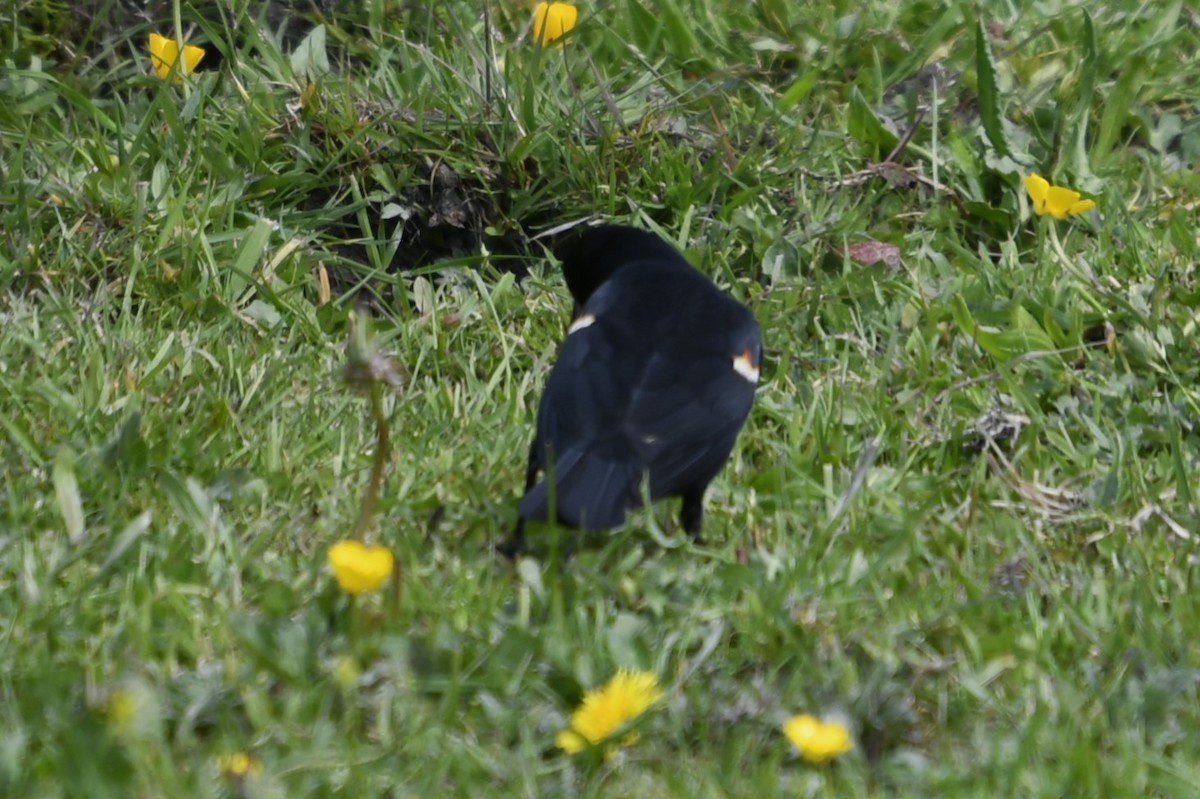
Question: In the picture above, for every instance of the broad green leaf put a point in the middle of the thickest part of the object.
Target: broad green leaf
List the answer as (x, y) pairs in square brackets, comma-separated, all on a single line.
[(642, 23), (1118, 107), (1025, 324), (781, 261), (309, 59), (263, 312), (865, 126), (1087, 69), (1004, 345), (677, 29), (1082, 91), (795, 93), (988, 91), (962, 316), (936, 35)]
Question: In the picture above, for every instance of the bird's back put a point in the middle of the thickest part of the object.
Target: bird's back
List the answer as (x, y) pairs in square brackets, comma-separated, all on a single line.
[(645, 383)]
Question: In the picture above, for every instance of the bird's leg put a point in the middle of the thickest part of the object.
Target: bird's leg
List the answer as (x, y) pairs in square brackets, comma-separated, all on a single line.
[(691, 515), (516, 542), (531, 467)]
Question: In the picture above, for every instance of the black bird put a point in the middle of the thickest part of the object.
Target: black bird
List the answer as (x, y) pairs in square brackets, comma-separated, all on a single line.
[(655, 378)]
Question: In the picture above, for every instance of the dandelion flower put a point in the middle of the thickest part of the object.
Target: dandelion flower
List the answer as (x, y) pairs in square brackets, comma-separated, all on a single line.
[(346, 672), (606, 710), (1057, 201), (122, 708), (552, 21), (164, 53), (134, 711), (359, 568), (240, 766), (816, 740)]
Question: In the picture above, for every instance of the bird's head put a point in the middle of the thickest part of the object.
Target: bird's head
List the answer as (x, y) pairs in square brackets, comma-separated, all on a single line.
[(591, 257)]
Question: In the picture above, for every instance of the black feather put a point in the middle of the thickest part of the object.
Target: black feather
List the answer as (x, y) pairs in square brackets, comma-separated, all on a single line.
[(644, 385)]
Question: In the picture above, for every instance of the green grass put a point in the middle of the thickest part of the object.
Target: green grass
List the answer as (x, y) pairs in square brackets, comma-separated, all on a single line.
[(1006, 616)]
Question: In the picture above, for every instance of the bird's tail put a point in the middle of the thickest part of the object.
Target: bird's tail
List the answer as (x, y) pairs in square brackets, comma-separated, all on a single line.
[(591, 492)]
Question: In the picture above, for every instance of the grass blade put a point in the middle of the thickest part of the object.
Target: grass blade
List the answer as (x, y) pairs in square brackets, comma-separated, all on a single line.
[(66, 491)]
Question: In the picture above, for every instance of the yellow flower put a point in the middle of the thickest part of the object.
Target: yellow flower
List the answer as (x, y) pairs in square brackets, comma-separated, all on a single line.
[(552, 21), (164, 53), (816, 740), (346, 672), (606, 710), (359, 568), (240, 766), (1057, 201), (134, 711), (122, 708)]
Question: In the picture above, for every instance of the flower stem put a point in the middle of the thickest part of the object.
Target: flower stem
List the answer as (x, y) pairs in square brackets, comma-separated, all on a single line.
[(180, 60), (1080, 270), (367, 512)]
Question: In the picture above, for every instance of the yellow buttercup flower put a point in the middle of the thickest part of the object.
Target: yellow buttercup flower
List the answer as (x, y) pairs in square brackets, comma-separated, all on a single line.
[(359, 568), (1057, 201), (606, 710), (816, 740), (164, 53), (552, 21)]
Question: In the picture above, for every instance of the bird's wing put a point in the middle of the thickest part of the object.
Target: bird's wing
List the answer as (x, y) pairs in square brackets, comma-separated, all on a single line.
[(684, 417), (588, 392), (674, 408)]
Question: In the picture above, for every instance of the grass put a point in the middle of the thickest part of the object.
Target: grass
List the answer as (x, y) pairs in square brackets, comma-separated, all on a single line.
[(961, 519)]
